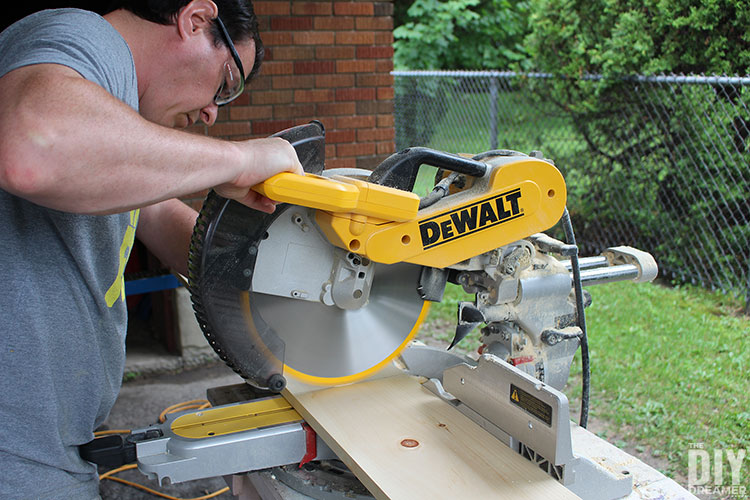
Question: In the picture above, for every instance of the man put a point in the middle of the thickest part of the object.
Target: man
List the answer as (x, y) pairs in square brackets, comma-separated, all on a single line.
[(89, 158)]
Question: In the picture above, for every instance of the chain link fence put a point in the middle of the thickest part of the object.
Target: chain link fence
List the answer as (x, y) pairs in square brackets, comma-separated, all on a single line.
[(663, 166)]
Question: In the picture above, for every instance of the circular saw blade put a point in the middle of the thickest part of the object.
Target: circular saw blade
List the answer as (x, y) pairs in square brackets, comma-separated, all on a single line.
[(329, 345), (262, 336)]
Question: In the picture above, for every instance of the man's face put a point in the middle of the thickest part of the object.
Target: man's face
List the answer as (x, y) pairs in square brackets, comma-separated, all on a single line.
[(190, 93)]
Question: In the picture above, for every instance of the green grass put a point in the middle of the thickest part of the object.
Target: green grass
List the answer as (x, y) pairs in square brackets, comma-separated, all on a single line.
[(669, 367), (523, 125)]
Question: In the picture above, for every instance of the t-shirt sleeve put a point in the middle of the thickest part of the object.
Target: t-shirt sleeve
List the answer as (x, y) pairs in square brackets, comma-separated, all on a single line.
[(78, 39)]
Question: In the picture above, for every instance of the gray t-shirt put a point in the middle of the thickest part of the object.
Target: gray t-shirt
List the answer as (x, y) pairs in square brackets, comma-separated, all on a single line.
[(62, 310)]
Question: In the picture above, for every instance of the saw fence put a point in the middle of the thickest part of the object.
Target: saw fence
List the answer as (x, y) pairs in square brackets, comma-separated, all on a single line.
[(660, 162)]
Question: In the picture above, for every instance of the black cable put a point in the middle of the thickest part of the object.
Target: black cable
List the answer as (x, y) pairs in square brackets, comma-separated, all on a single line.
[(585, 361), (439, 191)]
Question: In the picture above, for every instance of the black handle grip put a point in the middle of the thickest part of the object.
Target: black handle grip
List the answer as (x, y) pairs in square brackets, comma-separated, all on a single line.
[(400, 169), (309, 142)]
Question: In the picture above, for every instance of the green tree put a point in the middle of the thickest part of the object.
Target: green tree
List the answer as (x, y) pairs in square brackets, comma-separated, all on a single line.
[(460, 34), (623, 37), (650, 168)]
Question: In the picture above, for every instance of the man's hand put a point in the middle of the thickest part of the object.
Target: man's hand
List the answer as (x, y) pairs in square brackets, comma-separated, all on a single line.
[(266, 158)]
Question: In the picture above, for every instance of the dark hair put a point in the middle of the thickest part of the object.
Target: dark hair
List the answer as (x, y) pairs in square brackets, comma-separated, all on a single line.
[(237, 15)]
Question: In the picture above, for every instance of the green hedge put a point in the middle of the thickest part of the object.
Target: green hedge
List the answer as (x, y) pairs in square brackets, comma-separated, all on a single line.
[(664, 161)]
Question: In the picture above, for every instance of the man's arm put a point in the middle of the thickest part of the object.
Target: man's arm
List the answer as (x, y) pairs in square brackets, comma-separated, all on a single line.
[(166, 228), (67, 144)]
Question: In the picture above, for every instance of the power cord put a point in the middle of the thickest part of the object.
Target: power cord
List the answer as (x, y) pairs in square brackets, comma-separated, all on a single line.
[(585, 360), (186, 405)]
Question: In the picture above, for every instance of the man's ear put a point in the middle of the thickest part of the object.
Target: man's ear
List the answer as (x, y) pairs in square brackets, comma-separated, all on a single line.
[(196, 16)]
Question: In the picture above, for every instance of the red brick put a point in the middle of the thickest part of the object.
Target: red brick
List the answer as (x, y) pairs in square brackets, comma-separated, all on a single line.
[(293, 111), (356, 94), (383, 9), (344, 80), (314, 67), (313, 38), (272, 97), (385, 120), (369, 162), (385, 148), (293, 53), (333, 23), (375, 134), (384, 65), (334, 53), (294, 82), (330, 150), (370, 52), (291, 23), (271, 127), (368, 108), (250, 112), (364, 149), (329, 123), (355, 66), (338, 136), (354, 9), (348, 122), (314, 95), (311, 8), (374, 80), (277, 38), (264, 24), (277, 68), (333, 162), (228, 129), (385, 93), (271, 8), (383, 38), (261, 82), (374, 23), (355, 38), (336, 108)]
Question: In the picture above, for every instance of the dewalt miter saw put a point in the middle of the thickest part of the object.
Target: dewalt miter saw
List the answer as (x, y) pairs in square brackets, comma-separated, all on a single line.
[(334, 285)]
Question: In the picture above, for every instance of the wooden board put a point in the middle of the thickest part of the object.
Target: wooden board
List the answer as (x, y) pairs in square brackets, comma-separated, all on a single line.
[(370, 426)]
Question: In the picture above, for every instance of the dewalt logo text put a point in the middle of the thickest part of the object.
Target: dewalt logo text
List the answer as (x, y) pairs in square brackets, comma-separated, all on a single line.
[(470, 219)]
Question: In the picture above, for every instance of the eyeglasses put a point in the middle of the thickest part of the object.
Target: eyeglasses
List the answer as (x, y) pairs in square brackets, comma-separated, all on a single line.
[(234, 76)]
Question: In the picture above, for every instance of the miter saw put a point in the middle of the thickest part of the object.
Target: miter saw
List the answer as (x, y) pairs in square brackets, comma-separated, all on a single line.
[(334, 285)]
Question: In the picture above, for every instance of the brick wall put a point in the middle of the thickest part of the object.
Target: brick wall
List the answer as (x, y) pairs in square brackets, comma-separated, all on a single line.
[(328, 61)]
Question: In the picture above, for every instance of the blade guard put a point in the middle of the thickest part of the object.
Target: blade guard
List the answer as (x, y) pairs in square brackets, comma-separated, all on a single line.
[(222, 256)]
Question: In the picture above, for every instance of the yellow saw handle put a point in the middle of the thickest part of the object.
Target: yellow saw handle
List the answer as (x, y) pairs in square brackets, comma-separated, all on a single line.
[(340, 194)]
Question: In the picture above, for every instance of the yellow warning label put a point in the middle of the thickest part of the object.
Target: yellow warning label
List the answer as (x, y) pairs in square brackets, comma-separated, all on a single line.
[(531, 404)]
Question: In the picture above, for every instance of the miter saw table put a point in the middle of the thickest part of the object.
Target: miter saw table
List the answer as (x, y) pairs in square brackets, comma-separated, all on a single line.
[(330, 290)]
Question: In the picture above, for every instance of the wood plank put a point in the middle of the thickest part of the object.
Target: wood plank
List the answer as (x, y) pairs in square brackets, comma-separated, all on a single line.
[(368, 425)]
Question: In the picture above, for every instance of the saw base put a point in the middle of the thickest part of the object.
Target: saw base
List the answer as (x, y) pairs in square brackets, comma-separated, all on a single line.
[(401, 440)]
